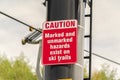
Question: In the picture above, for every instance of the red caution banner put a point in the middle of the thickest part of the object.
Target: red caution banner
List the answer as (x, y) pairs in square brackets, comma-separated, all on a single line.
[(59, 45)]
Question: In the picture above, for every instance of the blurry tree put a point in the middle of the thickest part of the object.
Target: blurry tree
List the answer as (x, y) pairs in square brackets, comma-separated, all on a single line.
[(20, 70), (105, 73), (15, 70), (85, 73)]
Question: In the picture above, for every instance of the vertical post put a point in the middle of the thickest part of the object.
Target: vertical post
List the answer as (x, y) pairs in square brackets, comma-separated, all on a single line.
[(38, 62), (78, 68), (90, 46), (63, 10)]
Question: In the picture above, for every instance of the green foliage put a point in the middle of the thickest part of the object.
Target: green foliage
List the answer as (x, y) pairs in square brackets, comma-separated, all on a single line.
[(17, 70), (20, 70), (104, 73), (85, 73)]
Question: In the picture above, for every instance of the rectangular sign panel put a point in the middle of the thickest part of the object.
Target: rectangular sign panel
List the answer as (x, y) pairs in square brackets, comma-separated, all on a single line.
[(59, 45)]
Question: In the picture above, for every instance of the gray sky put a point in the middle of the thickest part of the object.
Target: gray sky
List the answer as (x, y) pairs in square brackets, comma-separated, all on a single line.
[(31, 12), (106, 28)]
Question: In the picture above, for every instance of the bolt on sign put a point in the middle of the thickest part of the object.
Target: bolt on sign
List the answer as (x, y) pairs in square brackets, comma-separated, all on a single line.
[(59, 45)]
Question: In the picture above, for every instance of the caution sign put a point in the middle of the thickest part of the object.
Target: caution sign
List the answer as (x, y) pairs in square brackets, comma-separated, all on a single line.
[(59, 45)]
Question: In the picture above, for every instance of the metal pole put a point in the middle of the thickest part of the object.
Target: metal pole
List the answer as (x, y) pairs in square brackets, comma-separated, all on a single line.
[(38, 70), (78, 68), (63, 10), (90, 46)]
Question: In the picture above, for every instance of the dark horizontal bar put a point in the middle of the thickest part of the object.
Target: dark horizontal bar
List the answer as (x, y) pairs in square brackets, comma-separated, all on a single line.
[(87, 36), (87, 15), (87, 57)]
